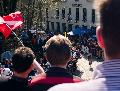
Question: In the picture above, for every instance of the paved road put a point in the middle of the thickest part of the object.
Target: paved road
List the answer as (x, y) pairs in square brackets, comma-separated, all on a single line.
[(83, 65)]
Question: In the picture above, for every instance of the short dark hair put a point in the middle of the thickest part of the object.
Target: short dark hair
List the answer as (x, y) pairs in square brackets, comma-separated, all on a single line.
[(110, 21), (58, 50), (22, 59)]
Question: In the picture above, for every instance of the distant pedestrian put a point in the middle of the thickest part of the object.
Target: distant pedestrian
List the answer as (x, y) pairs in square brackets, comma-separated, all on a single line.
[(90, 60)]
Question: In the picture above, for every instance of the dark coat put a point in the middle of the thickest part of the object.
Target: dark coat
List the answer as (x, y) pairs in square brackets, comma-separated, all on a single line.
[(14, 84), (53, 76)]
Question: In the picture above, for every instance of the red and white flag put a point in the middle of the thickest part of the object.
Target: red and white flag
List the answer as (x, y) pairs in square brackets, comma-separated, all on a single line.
[(4, 29), (10, 22), (14, 20)]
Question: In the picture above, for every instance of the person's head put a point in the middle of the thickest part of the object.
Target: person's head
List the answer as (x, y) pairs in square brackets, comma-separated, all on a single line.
[(108, 34), (22, 59), (58, 50)]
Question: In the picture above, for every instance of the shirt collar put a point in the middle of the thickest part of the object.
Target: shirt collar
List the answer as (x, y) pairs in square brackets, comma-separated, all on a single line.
[(109, 68), (20, 79), (57, 69)]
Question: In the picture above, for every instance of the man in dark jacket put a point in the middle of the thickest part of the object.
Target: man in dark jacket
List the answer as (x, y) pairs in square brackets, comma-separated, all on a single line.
[(58, 53), (22, 61)]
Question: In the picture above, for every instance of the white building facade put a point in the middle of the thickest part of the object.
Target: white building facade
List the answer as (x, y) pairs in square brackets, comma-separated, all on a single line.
[(70, 14)]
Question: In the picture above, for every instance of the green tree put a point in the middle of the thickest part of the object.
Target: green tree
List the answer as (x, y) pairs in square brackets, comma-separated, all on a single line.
[(7, 6), (33, 11)]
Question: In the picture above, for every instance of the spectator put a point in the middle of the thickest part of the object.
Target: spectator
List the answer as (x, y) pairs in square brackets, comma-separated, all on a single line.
[(23, 63), (58, 53), (7, 55), (107, 74)]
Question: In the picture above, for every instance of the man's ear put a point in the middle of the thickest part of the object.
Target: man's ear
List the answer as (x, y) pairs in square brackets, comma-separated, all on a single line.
[(100, 37)]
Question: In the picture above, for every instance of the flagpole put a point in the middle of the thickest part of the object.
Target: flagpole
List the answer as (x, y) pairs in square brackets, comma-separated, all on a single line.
[(19, 40)]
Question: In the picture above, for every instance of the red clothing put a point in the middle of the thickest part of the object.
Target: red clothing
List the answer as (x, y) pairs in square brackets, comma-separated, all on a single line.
[(52, 77), (42, 79), (33, 41)]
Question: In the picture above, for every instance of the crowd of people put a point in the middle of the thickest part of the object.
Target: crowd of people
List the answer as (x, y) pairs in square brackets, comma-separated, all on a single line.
[(87, 44), (24, 63), (106, 75), (55, 63)]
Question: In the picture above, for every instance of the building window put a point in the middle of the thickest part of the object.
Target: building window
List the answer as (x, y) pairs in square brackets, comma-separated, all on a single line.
[(58, 27), (64, 27), (93, 16), (77, 14), (76, 0), (70, 27), (84, 14), (44, 19), (69, 11), (69, 15), (46, 12), (48, 27), (57, 13), (63, 13), (52, 26)]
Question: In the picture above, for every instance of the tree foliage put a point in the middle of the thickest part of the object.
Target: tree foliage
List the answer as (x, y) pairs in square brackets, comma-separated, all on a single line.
[(7, 6), (33, 11)]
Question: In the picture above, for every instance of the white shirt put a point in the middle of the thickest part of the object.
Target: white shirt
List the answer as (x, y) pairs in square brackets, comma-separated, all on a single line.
[(5, 74)]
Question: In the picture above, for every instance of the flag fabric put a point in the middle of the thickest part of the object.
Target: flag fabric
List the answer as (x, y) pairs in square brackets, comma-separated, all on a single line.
[(10, 22), (4, 29), (1, 20), (14, 20)]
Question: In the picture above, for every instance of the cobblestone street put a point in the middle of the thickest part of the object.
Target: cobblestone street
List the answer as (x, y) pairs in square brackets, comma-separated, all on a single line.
[(83, 66)]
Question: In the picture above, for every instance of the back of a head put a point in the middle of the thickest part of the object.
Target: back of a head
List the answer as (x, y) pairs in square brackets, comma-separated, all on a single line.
[(110, 22), (58, 50), (22, 59)]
